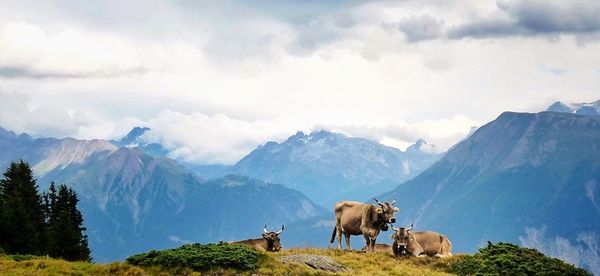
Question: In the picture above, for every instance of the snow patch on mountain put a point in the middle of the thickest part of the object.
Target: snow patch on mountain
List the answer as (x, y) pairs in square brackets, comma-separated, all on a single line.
[(592, 108)]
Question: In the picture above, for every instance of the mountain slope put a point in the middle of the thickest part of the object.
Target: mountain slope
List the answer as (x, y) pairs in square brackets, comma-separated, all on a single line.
[(133, 202), (328, 166), (519, 175), (47, 154)]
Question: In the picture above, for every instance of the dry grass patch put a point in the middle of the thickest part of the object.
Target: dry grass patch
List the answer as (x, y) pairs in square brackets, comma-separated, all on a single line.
[(359, 263), (49, 266)]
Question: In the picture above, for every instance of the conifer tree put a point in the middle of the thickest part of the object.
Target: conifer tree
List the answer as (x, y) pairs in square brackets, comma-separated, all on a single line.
[(65, 225), (49, 202), (22, 212)]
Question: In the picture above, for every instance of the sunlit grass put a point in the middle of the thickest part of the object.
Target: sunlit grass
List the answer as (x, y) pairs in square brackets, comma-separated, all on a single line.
[(359, 263), (49, 266)]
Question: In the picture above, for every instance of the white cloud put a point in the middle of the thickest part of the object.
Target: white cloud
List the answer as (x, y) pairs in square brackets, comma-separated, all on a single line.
[(17, 113), (211, 139), (246, 76)]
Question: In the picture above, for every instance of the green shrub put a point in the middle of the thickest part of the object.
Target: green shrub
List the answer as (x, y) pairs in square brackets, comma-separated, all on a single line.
[(509, 259), (201, 257), (19, 257)]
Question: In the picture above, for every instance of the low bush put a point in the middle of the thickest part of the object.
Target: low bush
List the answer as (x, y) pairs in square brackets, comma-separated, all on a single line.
[(509, 259), (19, 257), (201, 257)]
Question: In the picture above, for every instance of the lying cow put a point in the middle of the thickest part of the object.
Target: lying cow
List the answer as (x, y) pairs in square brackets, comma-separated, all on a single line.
[(382, 248), (419, 244), (268, 242), (356, 218)]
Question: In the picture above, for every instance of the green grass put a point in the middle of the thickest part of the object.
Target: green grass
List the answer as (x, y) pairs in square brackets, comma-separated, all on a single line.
[(498, 259), (201, 257), (49, 266), (503, 258)]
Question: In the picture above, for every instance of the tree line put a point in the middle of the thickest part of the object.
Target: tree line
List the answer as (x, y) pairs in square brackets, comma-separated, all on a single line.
[(40, 224)]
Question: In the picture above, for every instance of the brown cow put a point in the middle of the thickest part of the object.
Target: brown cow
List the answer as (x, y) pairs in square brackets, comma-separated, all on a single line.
[(382, 248), (356, 218), (419, 244), (269, 241)]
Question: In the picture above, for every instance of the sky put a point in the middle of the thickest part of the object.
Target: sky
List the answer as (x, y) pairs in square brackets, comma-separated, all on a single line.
[(214, 79)]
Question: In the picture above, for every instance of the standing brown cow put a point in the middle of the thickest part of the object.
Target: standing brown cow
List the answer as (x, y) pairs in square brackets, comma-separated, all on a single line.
[(426, 243), (268, 242), (356, 218)]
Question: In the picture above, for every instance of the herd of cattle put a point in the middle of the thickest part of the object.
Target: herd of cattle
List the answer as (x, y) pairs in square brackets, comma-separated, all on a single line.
[(356, 218)]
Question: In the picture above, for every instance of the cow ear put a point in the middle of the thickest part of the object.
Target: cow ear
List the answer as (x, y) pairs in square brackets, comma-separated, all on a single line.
[(379, 210), (266, 236), (396, 209)]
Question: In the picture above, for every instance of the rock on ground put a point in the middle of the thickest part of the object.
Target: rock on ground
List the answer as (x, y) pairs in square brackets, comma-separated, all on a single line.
[(315, 261)]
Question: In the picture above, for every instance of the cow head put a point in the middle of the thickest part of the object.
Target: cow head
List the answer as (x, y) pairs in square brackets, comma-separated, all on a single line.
[(401, 237), (387, 211), (273, 238)]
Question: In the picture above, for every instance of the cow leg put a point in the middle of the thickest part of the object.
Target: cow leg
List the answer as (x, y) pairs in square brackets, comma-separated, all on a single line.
[(372, 248), (348, 247), (368, 242), (339, 237)]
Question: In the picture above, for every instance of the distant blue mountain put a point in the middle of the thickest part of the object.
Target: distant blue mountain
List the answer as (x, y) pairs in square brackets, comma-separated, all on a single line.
[(525, 178), (325, 166), (329, 167)]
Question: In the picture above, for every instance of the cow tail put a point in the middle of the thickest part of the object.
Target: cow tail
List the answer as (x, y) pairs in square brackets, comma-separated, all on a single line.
[(333, 234)]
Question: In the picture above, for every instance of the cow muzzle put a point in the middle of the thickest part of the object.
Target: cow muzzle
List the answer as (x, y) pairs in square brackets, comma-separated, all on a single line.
[(401, 248), (393, 220)]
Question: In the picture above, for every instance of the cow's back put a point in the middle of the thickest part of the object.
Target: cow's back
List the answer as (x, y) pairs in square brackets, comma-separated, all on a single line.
[(254, 243), (349, 215), (431, 242)]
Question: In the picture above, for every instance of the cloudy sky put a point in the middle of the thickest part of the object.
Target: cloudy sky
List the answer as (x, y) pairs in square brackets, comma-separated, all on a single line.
[(213, 79)]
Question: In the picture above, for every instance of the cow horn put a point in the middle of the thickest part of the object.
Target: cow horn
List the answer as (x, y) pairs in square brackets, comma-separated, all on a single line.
[(395, 228), (393, 202), (378, 201), (265, 229), (411, 227), (281, 230)]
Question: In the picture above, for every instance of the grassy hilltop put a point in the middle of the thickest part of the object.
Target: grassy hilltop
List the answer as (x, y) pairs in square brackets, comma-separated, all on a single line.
[(224, 259)]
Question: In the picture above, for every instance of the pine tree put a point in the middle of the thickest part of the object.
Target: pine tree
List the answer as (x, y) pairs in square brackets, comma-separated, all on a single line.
[(22, 212), (65, 230), (49, 202)]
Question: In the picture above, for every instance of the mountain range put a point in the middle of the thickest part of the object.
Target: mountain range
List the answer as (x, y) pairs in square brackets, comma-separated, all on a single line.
[(134, 202), (329, 167), (525, 178), (134, 198), (326, 166)]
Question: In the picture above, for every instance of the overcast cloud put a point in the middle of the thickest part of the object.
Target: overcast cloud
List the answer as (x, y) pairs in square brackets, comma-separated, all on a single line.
[(215, 79)]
